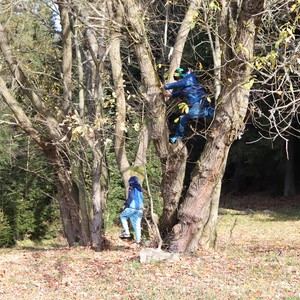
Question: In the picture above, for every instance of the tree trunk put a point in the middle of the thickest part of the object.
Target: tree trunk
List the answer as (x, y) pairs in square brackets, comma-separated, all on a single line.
[(174, 167), (97, 205), (189, 19), (68, 201), (172, 183), (85, 216), (205, 186), (66, 56), (209, 234), (116, 67), (95, 56)]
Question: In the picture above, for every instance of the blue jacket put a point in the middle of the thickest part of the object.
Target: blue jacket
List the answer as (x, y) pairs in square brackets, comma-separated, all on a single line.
[(190, 88), (135, 194)]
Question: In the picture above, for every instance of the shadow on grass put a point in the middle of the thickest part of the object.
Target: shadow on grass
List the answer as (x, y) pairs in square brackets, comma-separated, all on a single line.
[(279, 215), (285, 215), (38, 248), (41, 245)]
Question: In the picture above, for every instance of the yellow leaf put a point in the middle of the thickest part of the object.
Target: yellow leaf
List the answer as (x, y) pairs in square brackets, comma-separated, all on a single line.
[(293, 7), (181, 105), (186, 109), (249, 84)]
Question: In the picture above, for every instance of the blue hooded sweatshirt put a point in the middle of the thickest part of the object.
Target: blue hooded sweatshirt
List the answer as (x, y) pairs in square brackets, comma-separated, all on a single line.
[(190, 88), (135, 194)]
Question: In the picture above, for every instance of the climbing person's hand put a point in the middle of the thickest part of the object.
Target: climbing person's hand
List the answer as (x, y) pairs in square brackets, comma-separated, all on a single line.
[(167, 94)]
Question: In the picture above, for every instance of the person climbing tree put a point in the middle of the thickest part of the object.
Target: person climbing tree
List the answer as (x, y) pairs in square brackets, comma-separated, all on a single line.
[(133, 209), (195, 96)]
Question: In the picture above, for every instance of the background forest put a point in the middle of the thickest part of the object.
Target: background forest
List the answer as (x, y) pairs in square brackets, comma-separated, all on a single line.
[(78, 116)]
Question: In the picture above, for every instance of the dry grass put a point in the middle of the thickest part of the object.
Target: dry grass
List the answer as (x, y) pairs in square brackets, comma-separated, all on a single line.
[(258, 257)]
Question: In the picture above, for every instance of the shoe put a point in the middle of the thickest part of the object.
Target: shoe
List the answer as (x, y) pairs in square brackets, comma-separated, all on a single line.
[(124, 235), (174, 139)]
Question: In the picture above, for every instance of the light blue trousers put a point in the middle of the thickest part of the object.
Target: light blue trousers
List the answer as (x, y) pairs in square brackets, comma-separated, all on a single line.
[(135, 217)]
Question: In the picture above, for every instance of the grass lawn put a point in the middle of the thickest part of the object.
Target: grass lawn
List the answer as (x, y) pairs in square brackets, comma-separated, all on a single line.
[(257, 257)]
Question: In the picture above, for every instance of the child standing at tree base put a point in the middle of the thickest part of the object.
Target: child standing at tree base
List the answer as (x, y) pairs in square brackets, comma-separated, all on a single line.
[(133, 210)]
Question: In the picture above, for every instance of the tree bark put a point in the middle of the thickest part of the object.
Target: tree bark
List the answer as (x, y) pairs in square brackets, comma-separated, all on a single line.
[(66, 56), (116, 67), (97, 238), (68, 197), (228, 124)]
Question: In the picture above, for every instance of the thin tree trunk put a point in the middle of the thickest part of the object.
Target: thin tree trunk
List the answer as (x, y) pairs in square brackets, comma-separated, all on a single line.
[(85, 219), (189, 19), (66, 56), (116, 67), (144, 137), (141, 153)]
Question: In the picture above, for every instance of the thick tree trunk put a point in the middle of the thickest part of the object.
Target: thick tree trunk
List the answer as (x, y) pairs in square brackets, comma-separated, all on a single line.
[(174, 171), (97, 204), (228, 124), (141, 154), (85, 216), (209, 234), (68, 202)]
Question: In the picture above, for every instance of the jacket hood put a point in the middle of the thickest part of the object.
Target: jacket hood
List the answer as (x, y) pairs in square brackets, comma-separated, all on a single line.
[(134, 183)]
